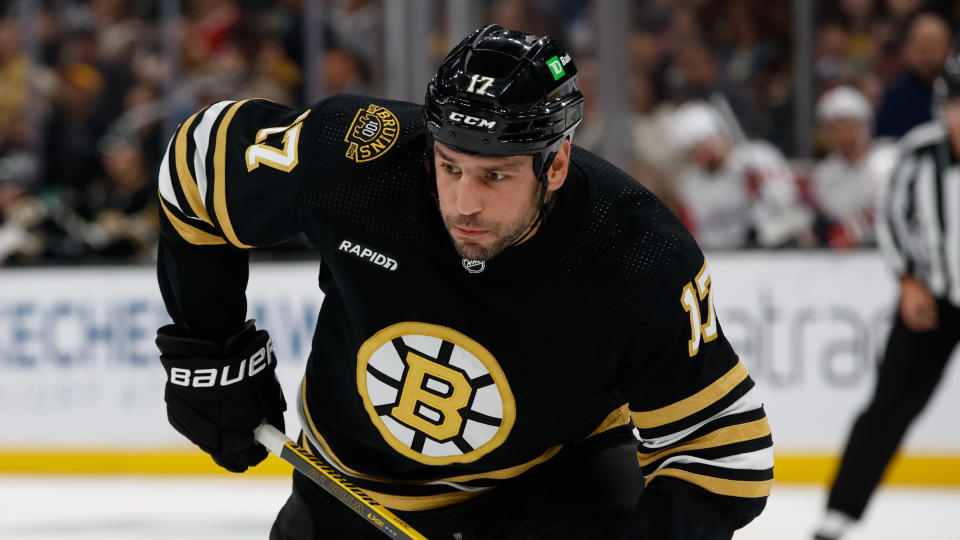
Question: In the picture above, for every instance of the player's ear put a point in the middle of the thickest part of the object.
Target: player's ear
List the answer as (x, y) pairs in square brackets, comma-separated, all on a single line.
[(557, 173)]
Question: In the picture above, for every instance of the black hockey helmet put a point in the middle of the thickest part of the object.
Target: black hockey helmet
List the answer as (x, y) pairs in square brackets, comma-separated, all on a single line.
[(505, 93), (947, 86)]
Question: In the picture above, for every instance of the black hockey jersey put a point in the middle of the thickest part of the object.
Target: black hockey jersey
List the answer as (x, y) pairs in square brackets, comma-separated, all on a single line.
[(433, 378)]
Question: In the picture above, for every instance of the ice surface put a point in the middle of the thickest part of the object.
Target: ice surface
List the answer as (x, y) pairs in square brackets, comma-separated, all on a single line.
[(243, 508), (141, 508)]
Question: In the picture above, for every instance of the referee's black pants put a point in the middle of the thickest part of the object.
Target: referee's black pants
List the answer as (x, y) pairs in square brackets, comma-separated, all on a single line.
[(586, 494), (911, 368)]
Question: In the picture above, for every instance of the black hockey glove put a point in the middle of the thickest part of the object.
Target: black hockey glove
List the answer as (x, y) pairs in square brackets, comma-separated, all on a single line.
[(216, 396)]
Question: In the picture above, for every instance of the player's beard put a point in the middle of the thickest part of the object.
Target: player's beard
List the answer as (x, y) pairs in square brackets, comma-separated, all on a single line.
[(504, 234)]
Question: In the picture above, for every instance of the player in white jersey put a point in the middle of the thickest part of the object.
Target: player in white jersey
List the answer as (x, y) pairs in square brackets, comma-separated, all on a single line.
[(734, 194), (844, 186)]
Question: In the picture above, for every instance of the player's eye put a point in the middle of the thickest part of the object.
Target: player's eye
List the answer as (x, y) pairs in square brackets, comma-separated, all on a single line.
[(495, 176), (449, 169)]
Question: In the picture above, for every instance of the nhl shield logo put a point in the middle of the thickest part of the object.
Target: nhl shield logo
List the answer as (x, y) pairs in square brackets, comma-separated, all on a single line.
[(474, 266), (372, 132)]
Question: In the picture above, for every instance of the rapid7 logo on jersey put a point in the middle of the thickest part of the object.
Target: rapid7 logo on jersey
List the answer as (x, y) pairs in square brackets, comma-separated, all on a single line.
[(695, 295)]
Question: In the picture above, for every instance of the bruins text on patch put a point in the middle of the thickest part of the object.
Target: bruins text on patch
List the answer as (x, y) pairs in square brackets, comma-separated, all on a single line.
[(372, 132), (435, 395)]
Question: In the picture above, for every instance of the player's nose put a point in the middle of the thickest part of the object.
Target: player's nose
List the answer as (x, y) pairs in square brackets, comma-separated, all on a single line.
[(469, 197)]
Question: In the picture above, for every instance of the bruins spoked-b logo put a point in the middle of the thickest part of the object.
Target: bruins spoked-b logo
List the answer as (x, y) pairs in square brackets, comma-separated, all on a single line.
[(372, 132), (436, 396)]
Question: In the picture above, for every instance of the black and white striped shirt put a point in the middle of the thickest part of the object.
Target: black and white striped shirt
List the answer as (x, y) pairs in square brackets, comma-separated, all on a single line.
[(919, 219)]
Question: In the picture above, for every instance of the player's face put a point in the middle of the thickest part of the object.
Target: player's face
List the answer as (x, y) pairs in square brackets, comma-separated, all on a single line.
[(709, 153), (487, 202), (849, 136)]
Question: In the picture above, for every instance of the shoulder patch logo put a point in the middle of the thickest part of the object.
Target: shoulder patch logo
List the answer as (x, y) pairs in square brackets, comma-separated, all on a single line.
[(435, 395), (372, 132)]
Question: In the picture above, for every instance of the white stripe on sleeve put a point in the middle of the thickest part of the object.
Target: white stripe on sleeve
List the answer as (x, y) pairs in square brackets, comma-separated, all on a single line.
[(757, 460), (166, 182), (201, 136), (747, 402)]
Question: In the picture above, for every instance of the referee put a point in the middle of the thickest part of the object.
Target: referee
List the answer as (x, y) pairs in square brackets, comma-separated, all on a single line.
[(919, 233)]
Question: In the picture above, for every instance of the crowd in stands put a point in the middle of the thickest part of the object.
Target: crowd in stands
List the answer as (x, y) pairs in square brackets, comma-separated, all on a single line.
[(91, 89), (719, 77)]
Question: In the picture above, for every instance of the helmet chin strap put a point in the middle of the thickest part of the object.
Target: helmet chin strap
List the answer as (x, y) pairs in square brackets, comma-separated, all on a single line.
[(541, 215), (542, 204)]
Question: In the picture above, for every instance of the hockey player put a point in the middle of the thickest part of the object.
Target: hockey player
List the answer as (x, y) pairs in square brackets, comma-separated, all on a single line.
[(734, 194), (502, 313), (844, 186)]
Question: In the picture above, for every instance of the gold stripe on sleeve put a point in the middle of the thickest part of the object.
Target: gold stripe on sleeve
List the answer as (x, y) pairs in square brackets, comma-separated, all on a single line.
[(727, 435), (220, 180), (190, 233), (720, 486), (692, 404), (187, 183)]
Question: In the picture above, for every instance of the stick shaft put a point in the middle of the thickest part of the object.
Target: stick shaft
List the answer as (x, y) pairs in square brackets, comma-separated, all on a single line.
[(334, 483)]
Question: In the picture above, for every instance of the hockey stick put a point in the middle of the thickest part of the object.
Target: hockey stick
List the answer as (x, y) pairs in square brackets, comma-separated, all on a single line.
[(334, 483)]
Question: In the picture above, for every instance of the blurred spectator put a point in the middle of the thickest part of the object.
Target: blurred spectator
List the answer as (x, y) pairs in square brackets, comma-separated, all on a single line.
[(831, 55), (75, 128), (120, 210), (735, 194), (14, 73), (19, 169), (900, 11), (114, 216), (18, 165), (844, 186), (862, 33), (655, 164), (908, 102), (748, 51), (696, 76), (209, 23), (118, 32), (272, 74), (343, 71), (357, 26), (871, 86), (519, 15)]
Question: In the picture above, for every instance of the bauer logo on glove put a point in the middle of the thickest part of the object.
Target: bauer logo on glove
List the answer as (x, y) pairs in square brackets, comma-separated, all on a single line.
[(226, 375)]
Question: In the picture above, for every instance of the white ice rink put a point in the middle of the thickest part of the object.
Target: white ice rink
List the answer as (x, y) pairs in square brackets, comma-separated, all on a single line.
[(242, 508)]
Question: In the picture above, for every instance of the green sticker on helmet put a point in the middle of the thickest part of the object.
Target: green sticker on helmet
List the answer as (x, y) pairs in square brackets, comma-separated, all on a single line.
[(556, 67)]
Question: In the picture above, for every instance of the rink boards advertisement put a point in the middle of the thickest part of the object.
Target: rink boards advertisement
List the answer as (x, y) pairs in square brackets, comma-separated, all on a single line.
[(80, 379)]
